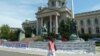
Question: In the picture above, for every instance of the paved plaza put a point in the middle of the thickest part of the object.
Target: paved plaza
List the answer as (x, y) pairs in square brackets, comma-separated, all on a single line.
[(23, 52), (8, 53)]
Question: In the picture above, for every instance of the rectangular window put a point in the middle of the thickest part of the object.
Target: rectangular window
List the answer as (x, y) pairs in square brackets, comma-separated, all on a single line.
[(82, 30), (97, 30), (88, 22), (89, 30), (96, 21), (53, 4), (81, 22)]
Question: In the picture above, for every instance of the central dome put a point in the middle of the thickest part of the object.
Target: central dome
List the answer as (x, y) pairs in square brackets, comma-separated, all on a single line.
[(57, 3)]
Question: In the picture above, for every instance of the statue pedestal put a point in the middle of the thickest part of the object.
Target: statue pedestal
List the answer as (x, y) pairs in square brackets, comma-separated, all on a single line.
[(75, 37)]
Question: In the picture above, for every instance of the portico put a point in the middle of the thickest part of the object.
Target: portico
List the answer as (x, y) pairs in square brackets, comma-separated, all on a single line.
[(50, 20)]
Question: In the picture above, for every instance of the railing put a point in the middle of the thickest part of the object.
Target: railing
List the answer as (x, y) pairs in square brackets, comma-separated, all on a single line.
[(88, 47), (15, 44), (67, 46)]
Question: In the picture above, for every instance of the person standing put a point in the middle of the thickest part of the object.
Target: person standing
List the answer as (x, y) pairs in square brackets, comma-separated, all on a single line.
[(51, 46)]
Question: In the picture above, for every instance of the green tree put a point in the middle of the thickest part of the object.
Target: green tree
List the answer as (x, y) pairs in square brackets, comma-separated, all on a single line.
[(85, 36), (28, 31), (5, 31), (64, 28), (14, 36)]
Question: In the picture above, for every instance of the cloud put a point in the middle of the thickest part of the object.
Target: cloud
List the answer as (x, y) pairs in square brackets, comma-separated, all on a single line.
[(12, 22), (96, 7), (14, 12)]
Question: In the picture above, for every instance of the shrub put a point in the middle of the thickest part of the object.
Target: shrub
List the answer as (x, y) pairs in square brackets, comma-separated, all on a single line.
[(85, 36)]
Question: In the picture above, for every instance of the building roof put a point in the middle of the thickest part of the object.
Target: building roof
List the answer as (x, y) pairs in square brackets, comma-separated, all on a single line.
[(87, 13), (30, 22)]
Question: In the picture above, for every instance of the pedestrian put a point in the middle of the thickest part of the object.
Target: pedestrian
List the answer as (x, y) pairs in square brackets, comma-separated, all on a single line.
[(51, 46)]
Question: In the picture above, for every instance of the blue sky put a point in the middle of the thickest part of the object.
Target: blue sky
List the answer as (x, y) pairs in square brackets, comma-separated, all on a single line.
[(14, 12)]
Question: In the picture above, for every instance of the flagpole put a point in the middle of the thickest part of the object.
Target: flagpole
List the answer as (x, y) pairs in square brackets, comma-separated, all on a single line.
[(72, 8)]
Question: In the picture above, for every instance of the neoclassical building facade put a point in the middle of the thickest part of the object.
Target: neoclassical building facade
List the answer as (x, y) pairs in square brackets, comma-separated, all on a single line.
[(52, 15), (88, 22)]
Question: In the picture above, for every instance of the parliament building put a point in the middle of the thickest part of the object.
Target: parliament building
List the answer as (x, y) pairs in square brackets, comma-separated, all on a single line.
[(50, 16)]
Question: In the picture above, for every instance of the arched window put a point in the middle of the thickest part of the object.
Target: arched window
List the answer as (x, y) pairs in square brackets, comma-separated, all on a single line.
[(96, 21), (88, 22), (82, 30), (89, 30), (97, 30)]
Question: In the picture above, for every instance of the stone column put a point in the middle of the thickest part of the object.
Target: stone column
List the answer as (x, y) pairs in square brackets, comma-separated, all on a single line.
[(56, 25), (37, 28), (50, 23), (41, 24)]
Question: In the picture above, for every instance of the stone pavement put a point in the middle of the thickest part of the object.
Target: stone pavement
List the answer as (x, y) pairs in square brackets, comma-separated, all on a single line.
[(8, 53)]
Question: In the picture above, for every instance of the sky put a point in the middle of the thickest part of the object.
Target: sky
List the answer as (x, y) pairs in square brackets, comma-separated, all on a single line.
[(14, 12)]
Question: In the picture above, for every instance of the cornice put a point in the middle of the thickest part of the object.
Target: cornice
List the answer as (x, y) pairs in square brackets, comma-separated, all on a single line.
[(87, 13)]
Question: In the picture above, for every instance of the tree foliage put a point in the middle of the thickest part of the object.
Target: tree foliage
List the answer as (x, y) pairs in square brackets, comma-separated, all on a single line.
[(28, 31), (53, 35), (14, 36), (64, 28), (5, 31), (85, 36)]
